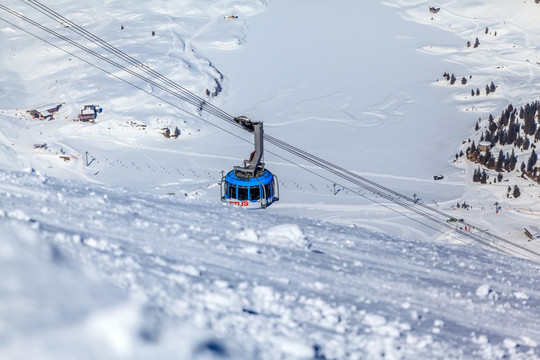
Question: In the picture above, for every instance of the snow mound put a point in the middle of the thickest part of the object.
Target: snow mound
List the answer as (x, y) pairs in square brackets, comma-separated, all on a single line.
[(483, 290), (285, 235)]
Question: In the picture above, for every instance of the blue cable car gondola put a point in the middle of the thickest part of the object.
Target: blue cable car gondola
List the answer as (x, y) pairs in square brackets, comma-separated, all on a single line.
[(250, 185)]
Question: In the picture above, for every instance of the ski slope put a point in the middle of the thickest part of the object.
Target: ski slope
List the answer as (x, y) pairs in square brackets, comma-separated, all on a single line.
[(259, 286), (114, 238)]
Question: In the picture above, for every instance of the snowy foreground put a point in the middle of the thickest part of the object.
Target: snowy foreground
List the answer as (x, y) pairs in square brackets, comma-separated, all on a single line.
[(113, 241), (196, 282)]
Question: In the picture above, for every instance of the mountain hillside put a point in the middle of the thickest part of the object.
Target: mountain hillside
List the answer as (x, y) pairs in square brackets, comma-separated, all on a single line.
[(264, 287), (113, 239)]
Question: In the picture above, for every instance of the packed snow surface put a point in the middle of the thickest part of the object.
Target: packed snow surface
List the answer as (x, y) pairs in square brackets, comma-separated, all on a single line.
[(113, 241), (253, 286)]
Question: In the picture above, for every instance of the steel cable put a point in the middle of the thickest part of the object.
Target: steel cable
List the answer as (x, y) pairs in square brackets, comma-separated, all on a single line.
[(187, 96)]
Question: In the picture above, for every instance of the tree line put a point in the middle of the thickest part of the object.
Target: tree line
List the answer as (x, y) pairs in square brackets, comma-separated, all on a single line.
[(515, 131)]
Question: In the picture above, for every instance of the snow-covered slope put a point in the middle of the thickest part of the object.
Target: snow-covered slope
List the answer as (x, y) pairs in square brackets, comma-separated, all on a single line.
[(114, 239), (281, 287), (351, 103)]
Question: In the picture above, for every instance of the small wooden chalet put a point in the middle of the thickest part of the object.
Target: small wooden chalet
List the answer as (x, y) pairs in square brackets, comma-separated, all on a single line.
[(54, 109), (533, 232), (36, 114), (89, 113), (484, 145)]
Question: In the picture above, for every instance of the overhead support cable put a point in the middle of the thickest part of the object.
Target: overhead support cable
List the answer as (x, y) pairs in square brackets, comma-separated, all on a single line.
[(169, 86), (196, 100)]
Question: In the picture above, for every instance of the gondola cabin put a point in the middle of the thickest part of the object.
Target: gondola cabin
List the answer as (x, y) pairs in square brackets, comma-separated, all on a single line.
[(255, 192), (250, 185)]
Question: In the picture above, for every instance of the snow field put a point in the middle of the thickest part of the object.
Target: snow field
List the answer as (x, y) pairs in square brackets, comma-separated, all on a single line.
[(196, 280), (506, 55), (287, 299)]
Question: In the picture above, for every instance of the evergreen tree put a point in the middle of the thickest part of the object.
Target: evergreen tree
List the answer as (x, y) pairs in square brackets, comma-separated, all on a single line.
[(472, 92), (477, 126), (452, 79), (530, 124), (526, 144), (500, 122), (507, 162), (476, 43), (537, 134), (532, 161), (463, 81), (516, 192), (513, 160), (491, 162), (484, 177), (487, 90), (492, 87), (500, 177), (505, 116), (487, 157), (512, 132), (500, 162), (476, 175), (492, 126), (502, 137)]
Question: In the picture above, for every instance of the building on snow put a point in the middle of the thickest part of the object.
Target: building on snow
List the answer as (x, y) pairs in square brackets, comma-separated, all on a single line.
[(533, 232)]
